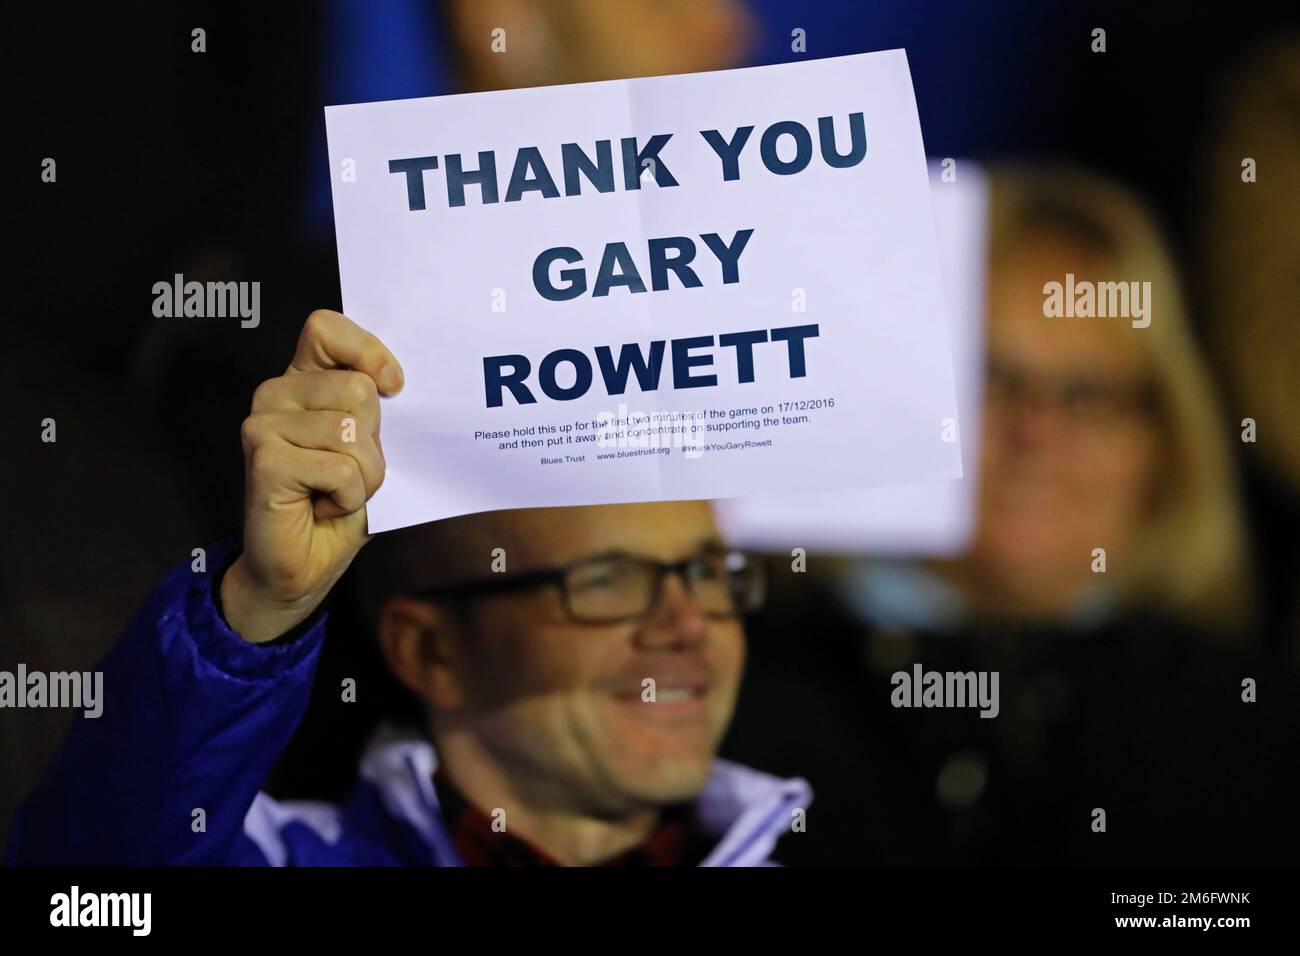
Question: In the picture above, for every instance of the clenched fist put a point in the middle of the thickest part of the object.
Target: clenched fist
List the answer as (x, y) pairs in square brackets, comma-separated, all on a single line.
[(312, 459)]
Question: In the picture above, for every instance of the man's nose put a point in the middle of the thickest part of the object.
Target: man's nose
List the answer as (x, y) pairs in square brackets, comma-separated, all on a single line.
[(676, 620)]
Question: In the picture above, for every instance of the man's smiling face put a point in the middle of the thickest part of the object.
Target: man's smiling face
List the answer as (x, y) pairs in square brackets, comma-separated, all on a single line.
[(564, 701)]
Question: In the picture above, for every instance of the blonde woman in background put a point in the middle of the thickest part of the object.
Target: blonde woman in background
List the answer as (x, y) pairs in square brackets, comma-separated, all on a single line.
[(1099, 433), (1118, 690)]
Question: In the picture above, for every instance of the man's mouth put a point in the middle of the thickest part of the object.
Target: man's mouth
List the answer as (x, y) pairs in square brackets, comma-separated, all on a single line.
[(670, 697), (668, 693), (675, 695)]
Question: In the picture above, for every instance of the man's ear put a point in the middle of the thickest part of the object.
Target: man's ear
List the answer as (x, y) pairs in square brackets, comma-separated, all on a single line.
[(422, 641)]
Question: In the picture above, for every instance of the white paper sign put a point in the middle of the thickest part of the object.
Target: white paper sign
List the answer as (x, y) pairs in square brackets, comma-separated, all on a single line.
[(935, 518), (748, 255)]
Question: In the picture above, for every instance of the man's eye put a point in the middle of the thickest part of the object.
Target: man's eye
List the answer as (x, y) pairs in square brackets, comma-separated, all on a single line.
[(598, 578), (708, 570)]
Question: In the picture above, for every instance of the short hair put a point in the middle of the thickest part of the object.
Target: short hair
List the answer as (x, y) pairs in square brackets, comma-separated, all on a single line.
[(417, 558)]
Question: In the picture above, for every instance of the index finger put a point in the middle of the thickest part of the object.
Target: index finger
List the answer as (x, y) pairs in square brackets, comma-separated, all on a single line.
[(331, 340)]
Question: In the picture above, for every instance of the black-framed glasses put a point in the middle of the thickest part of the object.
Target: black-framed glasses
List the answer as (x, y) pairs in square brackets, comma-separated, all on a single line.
[(1084, 399), (606, 589)]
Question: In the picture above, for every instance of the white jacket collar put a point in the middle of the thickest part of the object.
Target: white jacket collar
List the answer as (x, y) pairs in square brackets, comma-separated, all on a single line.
[(746, 809)]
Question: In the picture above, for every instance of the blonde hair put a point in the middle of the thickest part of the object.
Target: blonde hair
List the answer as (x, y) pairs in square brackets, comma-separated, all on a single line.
[(1189, 558)]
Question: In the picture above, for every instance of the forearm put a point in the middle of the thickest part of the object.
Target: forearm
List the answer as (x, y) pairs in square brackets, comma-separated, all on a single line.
[(194, 717)]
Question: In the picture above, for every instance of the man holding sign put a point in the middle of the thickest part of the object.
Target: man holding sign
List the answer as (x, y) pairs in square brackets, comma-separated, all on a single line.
[(577, 667), (576, 703)]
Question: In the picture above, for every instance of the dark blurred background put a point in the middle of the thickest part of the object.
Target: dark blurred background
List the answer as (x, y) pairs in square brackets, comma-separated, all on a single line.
[(214, 165)]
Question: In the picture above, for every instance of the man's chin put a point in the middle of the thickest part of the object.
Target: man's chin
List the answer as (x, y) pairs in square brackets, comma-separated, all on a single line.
[(661, 754), (661, 790), (657, 779)]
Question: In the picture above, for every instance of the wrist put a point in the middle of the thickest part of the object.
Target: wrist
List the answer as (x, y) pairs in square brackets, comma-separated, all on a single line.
[(250, 614)]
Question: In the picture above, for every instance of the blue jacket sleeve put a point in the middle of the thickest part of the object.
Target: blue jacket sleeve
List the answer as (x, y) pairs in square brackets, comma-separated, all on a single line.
[(193, 718)]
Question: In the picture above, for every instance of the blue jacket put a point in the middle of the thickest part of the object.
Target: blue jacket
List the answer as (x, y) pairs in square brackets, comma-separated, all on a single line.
[(195, 717)]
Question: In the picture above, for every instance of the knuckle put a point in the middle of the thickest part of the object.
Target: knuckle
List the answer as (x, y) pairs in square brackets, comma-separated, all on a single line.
[(317, 324), (262, 464), (264, 394), (360, 389), (347, 471), (250, 431)]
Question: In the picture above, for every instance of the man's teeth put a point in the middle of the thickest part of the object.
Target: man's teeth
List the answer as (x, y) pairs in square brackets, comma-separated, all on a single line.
[(674, 695)]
